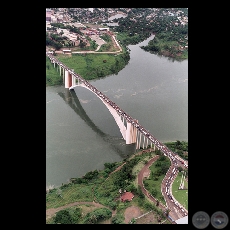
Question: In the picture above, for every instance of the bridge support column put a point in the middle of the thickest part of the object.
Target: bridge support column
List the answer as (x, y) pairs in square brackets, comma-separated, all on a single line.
[(68, 79), (60, 69), (138, 139), (128, 141), (135, 133), (143, 144), (139, 144), (152, 146), (130, 134), (73, 80), (147, 142)]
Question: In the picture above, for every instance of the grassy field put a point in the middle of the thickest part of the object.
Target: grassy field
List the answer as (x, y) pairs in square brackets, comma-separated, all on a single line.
[(69, 194), (156, 184), (180, 194), (88, 66)]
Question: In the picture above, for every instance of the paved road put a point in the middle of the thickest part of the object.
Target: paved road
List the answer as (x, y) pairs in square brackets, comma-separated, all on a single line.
[(145, 172)]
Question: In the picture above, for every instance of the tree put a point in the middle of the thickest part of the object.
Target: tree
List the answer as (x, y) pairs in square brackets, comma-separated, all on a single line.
[(132, 221), (63, 217), (118, 219), (93, 219), (77, 214)]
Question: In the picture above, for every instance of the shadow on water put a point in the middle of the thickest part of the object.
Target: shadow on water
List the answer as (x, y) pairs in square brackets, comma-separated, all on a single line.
[(117, 144)]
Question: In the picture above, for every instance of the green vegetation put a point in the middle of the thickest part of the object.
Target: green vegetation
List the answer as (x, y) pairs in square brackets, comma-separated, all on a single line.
[(104, 187), (108, 46), (171, 36), (97, 215), (167, 44), (81, 214), (181, 195), (70, 193), (179, 147), (88, 66), (130, 38), (158, 171), (52, 76), (63, 217)]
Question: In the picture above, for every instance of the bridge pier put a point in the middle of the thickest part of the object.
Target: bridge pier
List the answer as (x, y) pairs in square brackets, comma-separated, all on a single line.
[(63, 75), (131, 136), (69, 79), (60, 69), (66, 79), (73, 80), (143, 142), (139, 143)]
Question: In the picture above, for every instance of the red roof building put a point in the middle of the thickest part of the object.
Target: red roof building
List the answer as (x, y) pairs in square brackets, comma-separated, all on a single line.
[(127, 196)]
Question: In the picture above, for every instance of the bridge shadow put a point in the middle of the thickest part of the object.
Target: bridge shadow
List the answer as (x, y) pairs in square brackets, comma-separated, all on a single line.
[(117, 144)]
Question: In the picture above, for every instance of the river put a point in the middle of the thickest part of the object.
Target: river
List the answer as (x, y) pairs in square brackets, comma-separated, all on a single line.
[(82, 135)]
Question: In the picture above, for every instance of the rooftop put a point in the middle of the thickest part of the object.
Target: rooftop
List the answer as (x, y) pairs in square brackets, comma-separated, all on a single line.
[(183, 220), (127, 196)]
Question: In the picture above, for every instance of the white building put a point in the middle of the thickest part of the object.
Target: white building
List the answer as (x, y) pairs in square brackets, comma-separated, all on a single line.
[(183, 220)]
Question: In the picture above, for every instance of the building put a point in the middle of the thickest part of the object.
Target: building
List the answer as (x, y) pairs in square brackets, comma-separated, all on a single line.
[(66, 51), (127, 196), (183, 220), (103, 29)]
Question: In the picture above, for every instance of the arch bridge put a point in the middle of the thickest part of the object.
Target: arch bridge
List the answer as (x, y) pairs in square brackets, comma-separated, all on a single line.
[(131, 130)]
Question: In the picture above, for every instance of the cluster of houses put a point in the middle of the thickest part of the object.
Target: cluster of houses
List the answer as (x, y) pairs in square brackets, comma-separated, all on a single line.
[(74, 38), (53, 17)]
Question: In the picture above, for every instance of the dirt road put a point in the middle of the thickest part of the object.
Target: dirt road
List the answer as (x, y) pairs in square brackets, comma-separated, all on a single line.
[(131, 212), (50, 212)]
